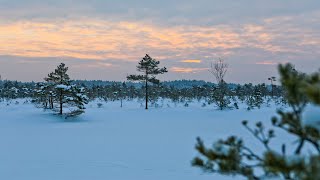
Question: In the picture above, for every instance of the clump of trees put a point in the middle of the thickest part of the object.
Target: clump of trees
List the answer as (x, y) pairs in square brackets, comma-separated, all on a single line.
[(149, 67), (58, 93), (232, 156)]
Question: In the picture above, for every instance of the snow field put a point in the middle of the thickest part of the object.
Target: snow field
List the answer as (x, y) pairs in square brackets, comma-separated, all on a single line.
[(115, 143)]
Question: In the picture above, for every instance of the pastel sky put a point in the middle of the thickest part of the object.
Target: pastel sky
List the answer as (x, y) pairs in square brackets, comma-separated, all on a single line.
[(105, 39)]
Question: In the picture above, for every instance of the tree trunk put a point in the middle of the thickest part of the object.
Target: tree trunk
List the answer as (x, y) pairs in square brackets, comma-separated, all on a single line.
[(46, 104), (51, 99), (61, 93), (61, 103), (146, 92), (60, 108)]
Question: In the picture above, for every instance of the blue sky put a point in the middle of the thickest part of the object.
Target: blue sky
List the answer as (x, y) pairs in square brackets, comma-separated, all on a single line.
[(105, 39)]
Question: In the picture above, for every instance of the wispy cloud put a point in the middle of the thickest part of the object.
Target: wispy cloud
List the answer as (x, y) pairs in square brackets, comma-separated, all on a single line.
[(187, 70), (191, 61), (109, 34), (266, 63), (97, 39), (102, 39)]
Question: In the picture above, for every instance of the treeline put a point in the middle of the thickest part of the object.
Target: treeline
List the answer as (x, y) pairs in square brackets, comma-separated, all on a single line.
[(60, 91), (179, 91)]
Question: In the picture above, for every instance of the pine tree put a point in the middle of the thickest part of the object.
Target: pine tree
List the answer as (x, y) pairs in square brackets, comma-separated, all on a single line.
[(272, 80), (233, 157), (149, 67), (255, 99), (58, 89), (60, 80), (220, 95), (77, 98), (43, 95)]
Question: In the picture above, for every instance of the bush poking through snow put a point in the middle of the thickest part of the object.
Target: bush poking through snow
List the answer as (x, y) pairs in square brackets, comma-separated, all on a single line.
[(99, 105)]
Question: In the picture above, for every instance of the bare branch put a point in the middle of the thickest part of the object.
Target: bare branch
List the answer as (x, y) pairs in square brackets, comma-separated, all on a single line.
[(219, 69)]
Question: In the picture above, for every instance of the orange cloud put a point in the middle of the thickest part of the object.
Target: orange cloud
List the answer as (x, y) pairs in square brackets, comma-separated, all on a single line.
[(102, 39), (95, 64), (98, 39), (100, 65), (187, 70), (191, 61)]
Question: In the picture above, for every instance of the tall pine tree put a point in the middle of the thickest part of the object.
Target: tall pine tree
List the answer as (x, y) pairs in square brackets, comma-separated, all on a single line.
[(61, 80), (149, 67)]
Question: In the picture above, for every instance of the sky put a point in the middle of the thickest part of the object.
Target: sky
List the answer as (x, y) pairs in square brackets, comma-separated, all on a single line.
[(105, 39)]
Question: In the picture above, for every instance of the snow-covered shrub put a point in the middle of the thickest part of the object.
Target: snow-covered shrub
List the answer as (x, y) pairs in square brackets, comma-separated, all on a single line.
[(58, 92)]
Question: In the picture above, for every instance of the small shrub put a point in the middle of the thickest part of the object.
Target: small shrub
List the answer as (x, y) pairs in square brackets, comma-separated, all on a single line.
[(99, 105)]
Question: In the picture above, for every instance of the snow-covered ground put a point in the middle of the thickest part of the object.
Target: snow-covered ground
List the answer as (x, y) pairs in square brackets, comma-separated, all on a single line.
[(114, 143)]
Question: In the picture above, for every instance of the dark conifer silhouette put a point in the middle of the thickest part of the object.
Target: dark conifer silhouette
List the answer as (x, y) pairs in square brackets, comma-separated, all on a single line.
[(61, 78), (59, 92), (149, 68)]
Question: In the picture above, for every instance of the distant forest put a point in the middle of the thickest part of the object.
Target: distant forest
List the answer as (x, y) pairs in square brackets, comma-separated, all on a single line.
[(179, 91)]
